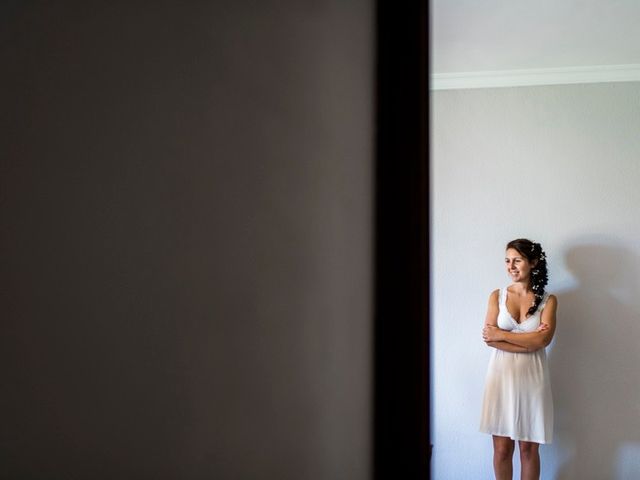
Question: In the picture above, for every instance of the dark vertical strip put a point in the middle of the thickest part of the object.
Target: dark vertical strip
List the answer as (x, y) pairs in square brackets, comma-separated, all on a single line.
[(401, 385)]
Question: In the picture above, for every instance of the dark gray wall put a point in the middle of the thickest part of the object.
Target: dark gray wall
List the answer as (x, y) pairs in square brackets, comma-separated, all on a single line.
[(186, 240)]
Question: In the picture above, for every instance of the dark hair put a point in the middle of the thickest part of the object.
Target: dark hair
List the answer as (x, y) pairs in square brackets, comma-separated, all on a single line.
[(538, 278)]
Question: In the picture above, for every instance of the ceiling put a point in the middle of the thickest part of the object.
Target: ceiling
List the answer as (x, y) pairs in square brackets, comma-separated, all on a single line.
[(474, 36)]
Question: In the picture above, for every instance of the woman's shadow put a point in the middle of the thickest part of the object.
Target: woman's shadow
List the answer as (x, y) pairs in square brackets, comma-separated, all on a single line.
[(595, 365)]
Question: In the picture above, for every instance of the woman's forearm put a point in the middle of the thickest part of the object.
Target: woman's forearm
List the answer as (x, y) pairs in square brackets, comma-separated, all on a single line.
[(508, 347), (530, 340)]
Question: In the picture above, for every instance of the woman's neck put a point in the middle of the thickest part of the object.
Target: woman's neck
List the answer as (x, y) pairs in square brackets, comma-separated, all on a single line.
[(521, 288)]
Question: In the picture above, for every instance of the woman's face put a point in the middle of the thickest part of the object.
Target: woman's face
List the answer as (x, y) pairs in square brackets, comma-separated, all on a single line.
[(518, 267)]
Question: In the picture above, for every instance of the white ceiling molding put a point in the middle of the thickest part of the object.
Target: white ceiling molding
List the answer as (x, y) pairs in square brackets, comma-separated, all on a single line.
[(538, 76)]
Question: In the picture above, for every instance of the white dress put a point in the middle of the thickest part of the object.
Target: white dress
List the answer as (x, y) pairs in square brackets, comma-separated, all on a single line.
[(517, 399)]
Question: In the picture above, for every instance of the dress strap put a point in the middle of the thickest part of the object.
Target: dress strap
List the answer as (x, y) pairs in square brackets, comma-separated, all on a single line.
[(503, 296)]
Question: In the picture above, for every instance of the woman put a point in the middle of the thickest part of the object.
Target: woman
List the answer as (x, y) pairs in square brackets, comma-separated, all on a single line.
[(520, 323)]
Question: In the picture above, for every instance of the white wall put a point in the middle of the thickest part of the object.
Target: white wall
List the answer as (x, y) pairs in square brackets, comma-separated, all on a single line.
[(561, 166)]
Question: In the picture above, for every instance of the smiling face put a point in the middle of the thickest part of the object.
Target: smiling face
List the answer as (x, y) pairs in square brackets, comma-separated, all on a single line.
[(518, 266)]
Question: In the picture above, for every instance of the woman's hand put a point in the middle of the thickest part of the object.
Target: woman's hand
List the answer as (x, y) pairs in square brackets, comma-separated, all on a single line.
[(491, 333), (542, 327)]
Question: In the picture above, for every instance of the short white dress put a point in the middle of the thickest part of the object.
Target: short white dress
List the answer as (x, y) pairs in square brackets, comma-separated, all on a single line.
[(517, 399)]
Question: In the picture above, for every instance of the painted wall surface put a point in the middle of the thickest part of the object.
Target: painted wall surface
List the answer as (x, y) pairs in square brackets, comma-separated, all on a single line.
[(186, 217), (559, 165)]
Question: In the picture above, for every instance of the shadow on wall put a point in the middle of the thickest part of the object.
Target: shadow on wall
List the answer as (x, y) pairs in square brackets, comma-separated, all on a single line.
[(595, 365)]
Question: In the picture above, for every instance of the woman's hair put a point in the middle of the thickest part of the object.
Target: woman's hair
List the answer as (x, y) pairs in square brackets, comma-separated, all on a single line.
[(538, 276)]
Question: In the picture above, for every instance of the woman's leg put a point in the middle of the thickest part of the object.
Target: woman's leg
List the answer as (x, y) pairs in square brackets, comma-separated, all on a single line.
[(529, 460), (503, 457)]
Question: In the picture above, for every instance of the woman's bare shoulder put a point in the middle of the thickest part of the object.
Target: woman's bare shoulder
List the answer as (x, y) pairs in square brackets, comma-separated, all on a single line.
[(493, 296)]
